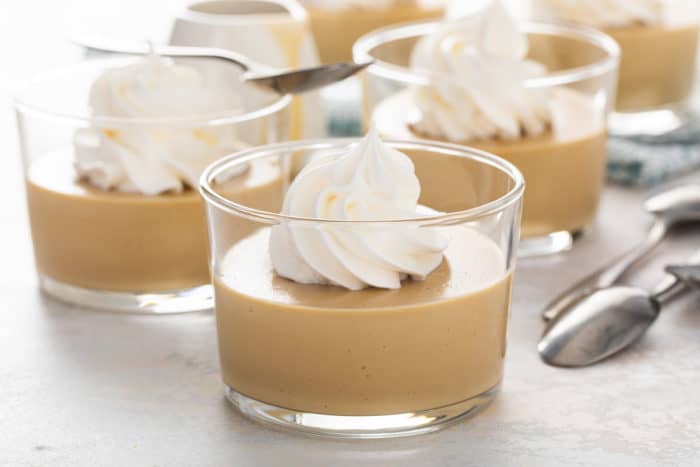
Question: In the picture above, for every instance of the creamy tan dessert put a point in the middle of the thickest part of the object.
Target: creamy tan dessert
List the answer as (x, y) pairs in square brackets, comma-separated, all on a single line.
[(657, 67), (117, 241), (371, 352), (337, 24), (556, 137), (658, 39), (310, 320), (117, 211), (564, 167)]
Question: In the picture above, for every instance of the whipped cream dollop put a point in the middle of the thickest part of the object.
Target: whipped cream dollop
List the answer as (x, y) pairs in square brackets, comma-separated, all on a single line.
[(478, 65), (604, 13), (371, 182), (153, 158)]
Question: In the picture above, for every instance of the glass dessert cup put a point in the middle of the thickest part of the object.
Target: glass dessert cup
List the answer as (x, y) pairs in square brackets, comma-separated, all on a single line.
[(325, 360), (336, 29), (274, 32), (657, 77), (564, 168), (118, 250), (657, 70)]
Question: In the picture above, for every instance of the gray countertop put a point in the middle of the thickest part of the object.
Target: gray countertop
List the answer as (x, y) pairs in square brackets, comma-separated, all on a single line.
[(80, 387)]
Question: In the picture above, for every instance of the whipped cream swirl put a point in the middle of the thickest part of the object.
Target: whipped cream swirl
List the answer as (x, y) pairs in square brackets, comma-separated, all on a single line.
[(371, 182), (478, 65), (604, 13), (149, 158)]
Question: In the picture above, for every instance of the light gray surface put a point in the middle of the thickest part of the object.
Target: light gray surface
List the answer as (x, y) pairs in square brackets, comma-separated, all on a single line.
[(100, 389), (80, 387)]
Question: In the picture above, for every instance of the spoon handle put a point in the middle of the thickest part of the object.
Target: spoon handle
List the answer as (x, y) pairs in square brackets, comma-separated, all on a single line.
[(608, 274), (679, 278), (669, 288), (241, 61)]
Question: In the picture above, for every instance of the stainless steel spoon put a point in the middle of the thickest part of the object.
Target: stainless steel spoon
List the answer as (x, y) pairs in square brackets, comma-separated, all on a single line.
[(671, 207), (280, 81), (610, 320)]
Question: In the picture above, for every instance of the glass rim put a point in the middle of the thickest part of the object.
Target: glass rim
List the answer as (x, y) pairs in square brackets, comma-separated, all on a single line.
[(292, 10), (227, 163), (203, 120), (362, 47)]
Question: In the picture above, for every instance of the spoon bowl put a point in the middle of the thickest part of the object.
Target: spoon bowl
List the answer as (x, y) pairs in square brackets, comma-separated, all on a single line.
[(606, 321), (677, 205), (306, 79), (597, 326)]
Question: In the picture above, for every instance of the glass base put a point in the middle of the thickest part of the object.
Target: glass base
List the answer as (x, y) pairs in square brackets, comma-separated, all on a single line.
[(556, 242), (178, 301), (649, 123), (364, 427)]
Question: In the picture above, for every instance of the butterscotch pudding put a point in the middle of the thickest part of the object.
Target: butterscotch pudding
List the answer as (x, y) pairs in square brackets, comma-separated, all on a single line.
[(658, 39), (122, 241), (514, 90), (337, 24), (360, 310), (575, 146), (116, 219)]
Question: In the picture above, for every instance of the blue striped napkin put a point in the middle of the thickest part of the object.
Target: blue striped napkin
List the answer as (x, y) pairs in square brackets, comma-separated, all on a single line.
[(647, 160), (342, 105)]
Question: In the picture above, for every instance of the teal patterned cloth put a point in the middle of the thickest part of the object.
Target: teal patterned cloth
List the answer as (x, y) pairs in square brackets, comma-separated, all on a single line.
[(647, 160), (638, 160), (342, 106)]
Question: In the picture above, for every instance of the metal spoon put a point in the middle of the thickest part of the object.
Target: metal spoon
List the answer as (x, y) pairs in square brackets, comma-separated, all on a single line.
[(279, 81), (669, 208), (610, 320)]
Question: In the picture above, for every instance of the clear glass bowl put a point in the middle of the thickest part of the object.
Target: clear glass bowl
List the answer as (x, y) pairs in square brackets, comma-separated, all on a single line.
[(116, 250), (337, 28), (371, 363), (564, 168), (657, 68)]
